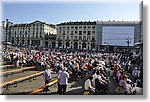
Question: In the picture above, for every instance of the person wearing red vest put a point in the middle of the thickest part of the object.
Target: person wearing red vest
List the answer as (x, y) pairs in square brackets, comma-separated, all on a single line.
[(115, 69)]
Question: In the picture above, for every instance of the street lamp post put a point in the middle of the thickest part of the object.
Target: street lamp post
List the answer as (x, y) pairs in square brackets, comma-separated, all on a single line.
[(6, 34), (128, 41), (115, 48), (107, 45)]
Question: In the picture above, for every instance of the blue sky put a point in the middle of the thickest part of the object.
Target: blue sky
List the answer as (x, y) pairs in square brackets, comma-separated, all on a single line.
[(62, 12)]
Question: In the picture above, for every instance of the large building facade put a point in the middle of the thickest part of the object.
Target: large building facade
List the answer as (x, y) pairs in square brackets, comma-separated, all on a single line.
[(76, 35), (31, 34)]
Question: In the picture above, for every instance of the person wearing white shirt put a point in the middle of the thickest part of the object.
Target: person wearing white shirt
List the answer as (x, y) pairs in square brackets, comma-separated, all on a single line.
[(60, 70), (88, 85), (47, 75), (17, 64), (135, 74), (63, 81)]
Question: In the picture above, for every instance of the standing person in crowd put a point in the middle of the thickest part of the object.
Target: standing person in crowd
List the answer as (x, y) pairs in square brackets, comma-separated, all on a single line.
[(11, 57), (47, 75), (115, 70), (60, 70), (63, 81), (17, 63), (135, 74)]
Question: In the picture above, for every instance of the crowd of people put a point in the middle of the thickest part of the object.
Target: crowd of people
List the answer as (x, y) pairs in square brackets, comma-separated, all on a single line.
[(80, 64)]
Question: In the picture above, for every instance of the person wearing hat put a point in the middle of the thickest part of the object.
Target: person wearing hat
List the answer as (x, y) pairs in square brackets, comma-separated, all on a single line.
[(63, 81)]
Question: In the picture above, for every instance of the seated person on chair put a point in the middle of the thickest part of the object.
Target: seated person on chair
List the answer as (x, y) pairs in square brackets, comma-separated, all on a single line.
[(88, 85)]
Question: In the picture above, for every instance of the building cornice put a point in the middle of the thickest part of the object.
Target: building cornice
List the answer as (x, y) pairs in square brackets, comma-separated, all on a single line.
[(29, 24), (78, 23)]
